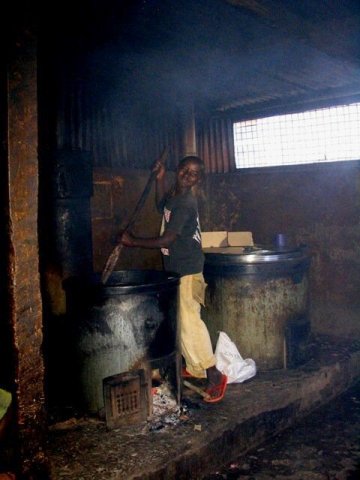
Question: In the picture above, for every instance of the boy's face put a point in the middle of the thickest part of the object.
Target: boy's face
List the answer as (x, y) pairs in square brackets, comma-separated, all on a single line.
[(188, 175)]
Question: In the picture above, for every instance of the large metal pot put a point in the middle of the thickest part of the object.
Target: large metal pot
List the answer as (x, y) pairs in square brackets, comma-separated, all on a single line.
[(256, 296), (127, 323)]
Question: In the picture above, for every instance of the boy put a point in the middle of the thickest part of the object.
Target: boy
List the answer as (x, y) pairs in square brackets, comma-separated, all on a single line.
[(180, 244)]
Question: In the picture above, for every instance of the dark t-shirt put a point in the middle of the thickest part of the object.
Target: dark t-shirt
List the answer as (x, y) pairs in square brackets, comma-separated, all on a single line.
[(184, 256)]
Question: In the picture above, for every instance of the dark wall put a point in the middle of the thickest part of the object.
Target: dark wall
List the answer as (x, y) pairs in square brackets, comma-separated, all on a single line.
[(315, 205), (116, 192)]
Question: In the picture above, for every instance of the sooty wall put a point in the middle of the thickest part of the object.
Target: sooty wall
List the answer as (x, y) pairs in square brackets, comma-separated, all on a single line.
[(316, 205)]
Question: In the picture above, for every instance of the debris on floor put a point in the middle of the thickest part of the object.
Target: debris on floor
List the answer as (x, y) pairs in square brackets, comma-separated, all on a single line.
[(196, 438)]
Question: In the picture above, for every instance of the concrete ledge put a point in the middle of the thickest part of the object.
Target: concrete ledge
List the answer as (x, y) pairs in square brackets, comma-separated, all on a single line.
[(212, 435)]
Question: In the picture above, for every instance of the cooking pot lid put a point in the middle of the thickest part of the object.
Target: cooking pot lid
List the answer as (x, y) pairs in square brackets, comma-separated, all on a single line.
[(253, 254)]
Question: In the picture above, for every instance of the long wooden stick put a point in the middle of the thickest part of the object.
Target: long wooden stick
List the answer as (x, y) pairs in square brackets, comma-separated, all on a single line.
[(114, 256)]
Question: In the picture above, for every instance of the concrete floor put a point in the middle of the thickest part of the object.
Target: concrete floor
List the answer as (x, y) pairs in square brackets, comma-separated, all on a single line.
[(324, 445), (199, 438)]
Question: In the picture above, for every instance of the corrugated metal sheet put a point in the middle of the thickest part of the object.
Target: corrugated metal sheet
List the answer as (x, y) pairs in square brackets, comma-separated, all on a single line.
[(289, 70), (143, 60), (128, 139)]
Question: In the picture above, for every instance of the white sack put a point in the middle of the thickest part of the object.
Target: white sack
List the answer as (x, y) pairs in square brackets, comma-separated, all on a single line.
[(230, 362)]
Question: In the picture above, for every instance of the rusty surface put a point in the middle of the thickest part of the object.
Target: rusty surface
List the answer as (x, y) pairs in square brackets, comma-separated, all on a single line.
[(316, 206), (24, 288), (115, 196)]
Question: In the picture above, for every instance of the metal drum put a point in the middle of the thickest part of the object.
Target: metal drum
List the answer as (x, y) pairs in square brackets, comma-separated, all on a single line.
[(126, 324), (259, 297)]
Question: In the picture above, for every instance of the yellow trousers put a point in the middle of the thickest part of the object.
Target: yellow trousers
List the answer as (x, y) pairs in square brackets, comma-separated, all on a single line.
[(195, 340)]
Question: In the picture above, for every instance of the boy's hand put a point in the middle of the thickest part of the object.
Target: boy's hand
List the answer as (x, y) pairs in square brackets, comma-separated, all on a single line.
[(159, 169), (127, 239)]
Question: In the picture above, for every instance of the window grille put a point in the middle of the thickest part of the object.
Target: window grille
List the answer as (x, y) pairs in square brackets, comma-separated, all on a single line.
[(316, 136)]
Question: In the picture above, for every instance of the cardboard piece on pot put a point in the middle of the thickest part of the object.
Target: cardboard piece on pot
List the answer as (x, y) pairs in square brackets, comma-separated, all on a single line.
[(240, 239), (214, 239)]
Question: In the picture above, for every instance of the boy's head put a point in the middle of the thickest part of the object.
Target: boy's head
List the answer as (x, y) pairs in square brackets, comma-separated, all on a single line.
[(190, 173)]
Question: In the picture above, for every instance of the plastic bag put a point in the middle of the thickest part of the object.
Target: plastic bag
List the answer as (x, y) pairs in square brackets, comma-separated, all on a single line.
[(230, 362)]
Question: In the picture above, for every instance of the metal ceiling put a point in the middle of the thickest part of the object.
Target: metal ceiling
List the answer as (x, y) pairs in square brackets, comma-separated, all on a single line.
[(233, 56)]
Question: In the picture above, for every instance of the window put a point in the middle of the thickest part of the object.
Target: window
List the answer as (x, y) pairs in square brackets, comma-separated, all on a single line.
[(323, 135)]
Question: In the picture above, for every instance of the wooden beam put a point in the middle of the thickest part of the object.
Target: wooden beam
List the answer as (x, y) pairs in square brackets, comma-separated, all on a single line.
[(25, 306)]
